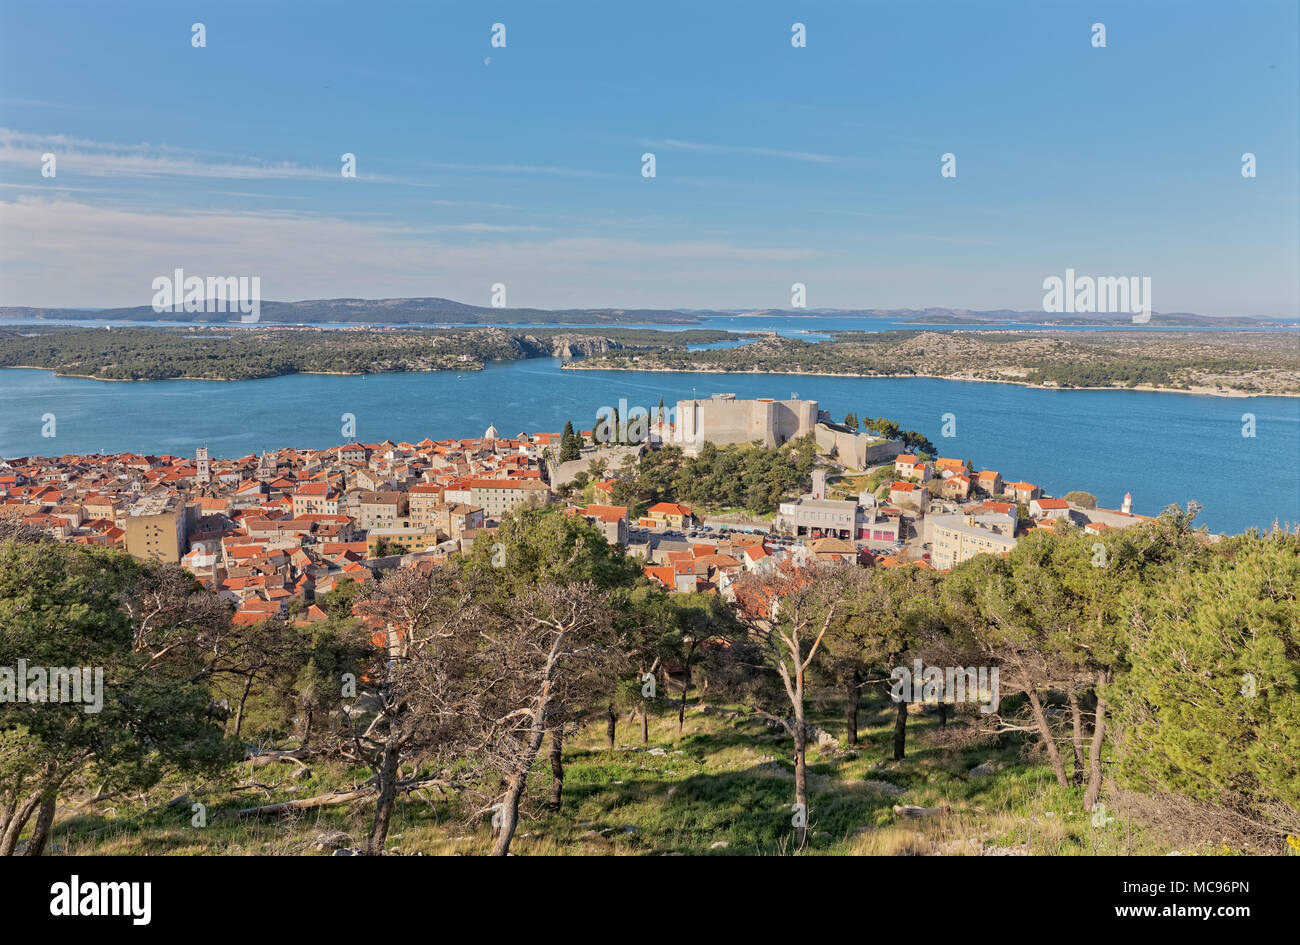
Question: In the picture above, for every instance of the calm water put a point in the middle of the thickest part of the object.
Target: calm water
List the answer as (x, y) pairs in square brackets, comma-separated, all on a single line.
[(804, 327), (1164, 448)]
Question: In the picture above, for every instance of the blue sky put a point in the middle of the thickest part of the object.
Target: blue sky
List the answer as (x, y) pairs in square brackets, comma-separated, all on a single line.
[(775, 165)]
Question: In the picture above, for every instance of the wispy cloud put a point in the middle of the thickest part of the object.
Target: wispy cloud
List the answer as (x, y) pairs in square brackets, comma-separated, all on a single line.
[(117, 252), (811, 156), (110, 159), (543, 170)]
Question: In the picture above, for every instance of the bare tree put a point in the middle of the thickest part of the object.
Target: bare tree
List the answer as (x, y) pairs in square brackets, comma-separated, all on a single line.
[(424, 682), (788, 613), (546, 652)]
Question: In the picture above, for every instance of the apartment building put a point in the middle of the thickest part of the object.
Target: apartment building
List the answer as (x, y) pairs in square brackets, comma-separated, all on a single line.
[(956, 538), (818, 517), (382, 510), (497, 497), (315, 498), (155, 528)]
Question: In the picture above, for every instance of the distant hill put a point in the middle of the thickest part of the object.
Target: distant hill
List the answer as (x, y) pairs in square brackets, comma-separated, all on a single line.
[(436, 311), (384, 311), (961, 316)]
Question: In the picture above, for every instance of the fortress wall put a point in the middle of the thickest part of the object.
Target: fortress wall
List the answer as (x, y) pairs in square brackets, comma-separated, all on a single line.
[(726, 421)]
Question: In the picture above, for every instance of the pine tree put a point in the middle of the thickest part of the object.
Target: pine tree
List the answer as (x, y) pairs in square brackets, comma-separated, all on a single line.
[(570, 445)]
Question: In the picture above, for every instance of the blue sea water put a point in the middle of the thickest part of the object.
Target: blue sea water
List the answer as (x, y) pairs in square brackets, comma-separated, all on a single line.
[(1163, 447)]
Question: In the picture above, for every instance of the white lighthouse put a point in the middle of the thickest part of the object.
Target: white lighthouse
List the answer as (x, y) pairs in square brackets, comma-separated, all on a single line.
[(1127, 507)]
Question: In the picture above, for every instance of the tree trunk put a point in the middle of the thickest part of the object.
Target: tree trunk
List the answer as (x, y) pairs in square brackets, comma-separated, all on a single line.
[(645, 725), (239, 714), (1093, 791), (943, 715), (387, 783), (1076, 736), (515, 786), (1049, 740), (853, 707), (800, 770), (612, 728), (900, 732), (557, 769), (686, 691), (41, 829), (16, 824)]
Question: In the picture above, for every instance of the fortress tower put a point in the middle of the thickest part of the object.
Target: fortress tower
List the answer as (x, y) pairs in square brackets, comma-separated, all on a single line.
[(722, 419)]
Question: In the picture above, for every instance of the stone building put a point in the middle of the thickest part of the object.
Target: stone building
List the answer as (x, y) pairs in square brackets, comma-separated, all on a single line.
[(722, 419)]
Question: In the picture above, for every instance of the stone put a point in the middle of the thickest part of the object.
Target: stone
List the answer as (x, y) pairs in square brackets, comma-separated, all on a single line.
[(912, 811), (884, 787), (330, 841)]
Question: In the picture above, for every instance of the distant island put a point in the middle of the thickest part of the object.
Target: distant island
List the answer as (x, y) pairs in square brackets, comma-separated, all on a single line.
[(440, 311), (371, 311), (221, 354), (1222, 363)]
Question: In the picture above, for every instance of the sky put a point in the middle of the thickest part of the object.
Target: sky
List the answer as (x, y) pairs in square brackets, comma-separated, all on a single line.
[(774, 164)]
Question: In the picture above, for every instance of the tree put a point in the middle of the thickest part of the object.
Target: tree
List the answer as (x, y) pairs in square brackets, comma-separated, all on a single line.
[(981, 599), (1082, 499), (889, 618), (546, 650), (421, 677), (570, 444), (119, 694), (699, 619), (1210, 707), (787, 614)]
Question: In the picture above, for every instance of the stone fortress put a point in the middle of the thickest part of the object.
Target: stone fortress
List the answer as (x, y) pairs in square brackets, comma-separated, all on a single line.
[(722, 419)]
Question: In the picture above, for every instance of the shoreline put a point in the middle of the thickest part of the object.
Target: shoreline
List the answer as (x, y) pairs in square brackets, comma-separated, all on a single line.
[(1143, 388), (231, 380), (579, 366)]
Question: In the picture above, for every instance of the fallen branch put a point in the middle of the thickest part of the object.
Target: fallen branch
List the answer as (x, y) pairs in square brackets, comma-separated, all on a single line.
[(333, 799)]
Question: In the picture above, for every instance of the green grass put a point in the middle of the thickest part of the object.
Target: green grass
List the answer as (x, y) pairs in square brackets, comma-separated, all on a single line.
[(723, 779)]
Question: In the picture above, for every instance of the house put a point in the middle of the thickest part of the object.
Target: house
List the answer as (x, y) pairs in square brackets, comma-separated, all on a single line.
[(908, 466), (453, 519), (670, 515), (832, 549), (957, 487), (909, 495), (756, 558), (989, 482), (1049, 508), (610, 520), (1023, 492), (353, 453), (949, 467)]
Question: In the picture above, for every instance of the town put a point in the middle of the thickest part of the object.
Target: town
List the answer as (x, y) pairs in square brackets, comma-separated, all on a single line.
[(274, 532)]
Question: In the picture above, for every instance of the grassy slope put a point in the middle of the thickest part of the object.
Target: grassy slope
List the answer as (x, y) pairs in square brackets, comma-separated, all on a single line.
[(725, 779)]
